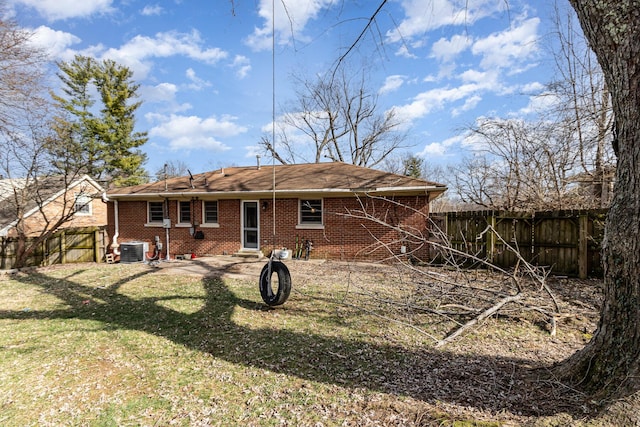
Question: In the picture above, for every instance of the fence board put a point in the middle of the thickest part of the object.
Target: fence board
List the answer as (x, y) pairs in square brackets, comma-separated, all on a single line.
[(567, 242), (65, 246)]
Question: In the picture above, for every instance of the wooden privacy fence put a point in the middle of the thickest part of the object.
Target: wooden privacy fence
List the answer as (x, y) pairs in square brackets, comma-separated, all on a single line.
[(65, 246), (568, 242)]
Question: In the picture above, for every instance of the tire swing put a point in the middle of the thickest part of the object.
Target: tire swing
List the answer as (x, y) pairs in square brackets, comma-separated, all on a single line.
[(283, 290)]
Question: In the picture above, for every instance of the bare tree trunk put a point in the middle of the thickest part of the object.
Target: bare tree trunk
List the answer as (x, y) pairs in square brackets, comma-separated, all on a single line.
[(609, 365)]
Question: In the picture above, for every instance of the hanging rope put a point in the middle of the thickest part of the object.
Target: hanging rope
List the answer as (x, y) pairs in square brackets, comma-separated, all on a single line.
[(273, 116), (274, 265)]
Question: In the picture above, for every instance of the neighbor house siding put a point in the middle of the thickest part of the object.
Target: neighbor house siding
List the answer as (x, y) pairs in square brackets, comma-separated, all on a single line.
[(36, 223), (342, 235)]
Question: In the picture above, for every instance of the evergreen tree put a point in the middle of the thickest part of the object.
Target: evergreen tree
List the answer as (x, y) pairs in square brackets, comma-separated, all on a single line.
[(100, 137), (413, 166)]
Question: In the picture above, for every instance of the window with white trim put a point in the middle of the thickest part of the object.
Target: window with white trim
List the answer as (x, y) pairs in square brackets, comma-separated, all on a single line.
[(310, 211), (155, 212), (210, 212), (82, 204), (184, 212)]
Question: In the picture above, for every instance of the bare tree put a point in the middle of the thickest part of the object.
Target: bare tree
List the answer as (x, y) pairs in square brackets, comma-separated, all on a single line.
[(23, 105), (172, 169), (584, 105), (26, 143), (561, 159), (336, 117), (520, 165)]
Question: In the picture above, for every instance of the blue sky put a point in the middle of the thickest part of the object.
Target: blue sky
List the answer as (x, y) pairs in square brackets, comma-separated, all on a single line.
[(205, 67)]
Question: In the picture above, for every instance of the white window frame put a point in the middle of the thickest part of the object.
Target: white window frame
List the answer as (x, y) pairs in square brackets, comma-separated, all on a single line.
[(181, 223), (310, 225), (151, 223), (86, 200), (204, 223)]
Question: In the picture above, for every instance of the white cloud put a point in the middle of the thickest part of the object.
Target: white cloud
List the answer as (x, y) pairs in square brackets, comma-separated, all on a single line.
[(446, 50), (165, 95), (501, 51), (192, 132), (433, 149), (508, 48), (163, 92), (392, 83), (150, 10), (532, 87), (196, 82), (242, 65), (473, 140), (469, 104), (136, 52), (423, 16), (289, 22), (53, 10), (539, 103), (435, 99), (403, 51), (489, 80), (55, 43), (439, 148)]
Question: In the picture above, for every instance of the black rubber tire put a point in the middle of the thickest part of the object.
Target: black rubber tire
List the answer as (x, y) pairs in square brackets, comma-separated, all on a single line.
[(284, 284)]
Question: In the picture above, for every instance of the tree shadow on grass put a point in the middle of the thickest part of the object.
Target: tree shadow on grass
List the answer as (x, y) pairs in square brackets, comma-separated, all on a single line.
[(493, 384)]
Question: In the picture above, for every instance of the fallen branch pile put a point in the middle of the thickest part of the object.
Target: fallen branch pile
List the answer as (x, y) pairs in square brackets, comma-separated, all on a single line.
[(451, 295)]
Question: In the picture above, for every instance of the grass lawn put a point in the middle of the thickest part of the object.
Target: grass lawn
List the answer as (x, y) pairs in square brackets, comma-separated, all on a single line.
[(114, 345)]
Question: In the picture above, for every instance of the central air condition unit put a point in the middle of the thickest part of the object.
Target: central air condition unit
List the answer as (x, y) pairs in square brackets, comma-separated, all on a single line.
[(133, 251)]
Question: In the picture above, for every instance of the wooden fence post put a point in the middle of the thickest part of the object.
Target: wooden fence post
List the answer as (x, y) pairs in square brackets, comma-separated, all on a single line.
[(96, 246), (583, 245), (491, 236), (63, 247)]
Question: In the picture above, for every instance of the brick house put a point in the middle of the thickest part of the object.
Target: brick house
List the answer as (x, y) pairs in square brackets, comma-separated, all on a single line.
[(339, 207), (52, 199)]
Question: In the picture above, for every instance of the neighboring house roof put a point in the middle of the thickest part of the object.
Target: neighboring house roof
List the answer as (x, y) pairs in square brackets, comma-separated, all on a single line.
[(7, 187), (312, 178), (607, 174), (40, 193)]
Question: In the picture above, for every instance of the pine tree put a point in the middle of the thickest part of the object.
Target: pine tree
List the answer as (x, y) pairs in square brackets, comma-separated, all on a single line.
[(100, 136), (413, 166)]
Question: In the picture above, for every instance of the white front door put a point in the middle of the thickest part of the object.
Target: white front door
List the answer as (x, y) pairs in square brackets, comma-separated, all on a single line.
[(249, 216)]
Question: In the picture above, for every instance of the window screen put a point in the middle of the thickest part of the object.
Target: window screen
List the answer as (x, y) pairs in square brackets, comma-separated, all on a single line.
[(311, 211), (185, 213), (156, 211), (83, 204), (210, 212)]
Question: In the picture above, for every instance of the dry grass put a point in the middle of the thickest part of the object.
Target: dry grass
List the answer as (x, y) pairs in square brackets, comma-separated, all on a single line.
[(106, 345)]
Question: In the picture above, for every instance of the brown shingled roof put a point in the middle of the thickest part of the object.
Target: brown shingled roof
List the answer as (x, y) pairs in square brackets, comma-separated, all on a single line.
[(333, 177)]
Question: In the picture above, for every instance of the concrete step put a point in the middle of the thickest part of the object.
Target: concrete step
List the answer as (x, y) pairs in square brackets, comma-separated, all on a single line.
[(249, 254)]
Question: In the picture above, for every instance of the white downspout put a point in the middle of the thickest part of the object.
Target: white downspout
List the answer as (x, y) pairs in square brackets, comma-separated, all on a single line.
[(167, 258), (165, 209), (115, 245)]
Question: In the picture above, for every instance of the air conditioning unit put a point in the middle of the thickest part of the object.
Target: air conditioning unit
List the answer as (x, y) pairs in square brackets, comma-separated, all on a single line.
[(133, 251)]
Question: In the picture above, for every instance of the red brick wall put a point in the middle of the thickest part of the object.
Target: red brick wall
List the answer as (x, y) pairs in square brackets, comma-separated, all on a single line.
[(344, 235)]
